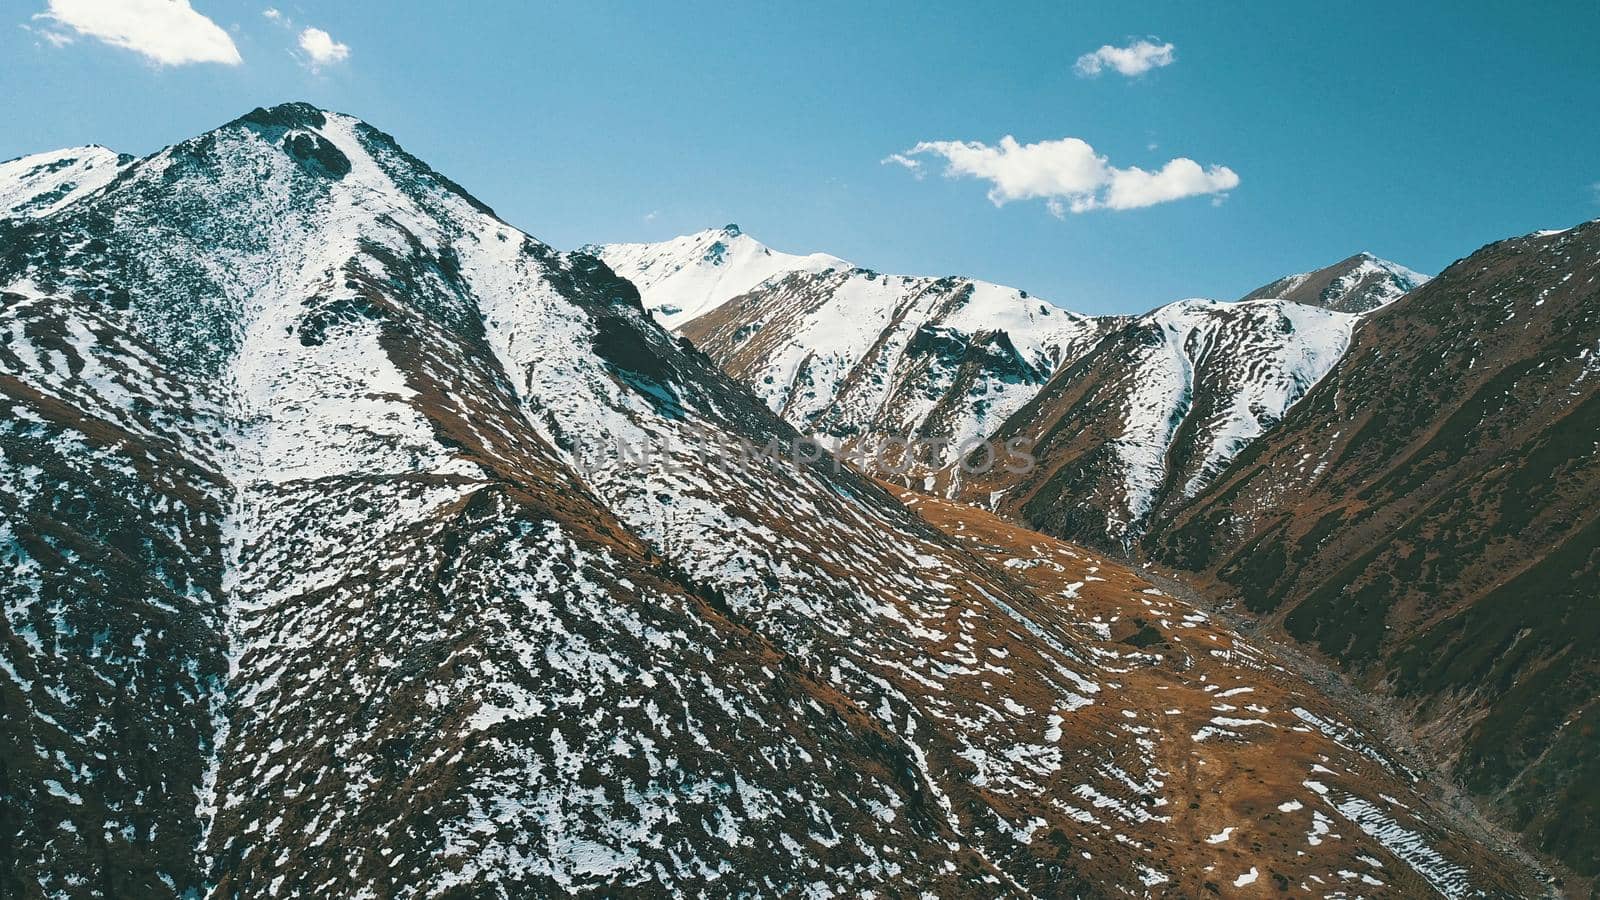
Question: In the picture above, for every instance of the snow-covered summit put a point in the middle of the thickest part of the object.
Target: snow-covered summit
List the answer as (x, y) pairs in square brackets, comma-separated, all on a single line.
[(1357, 284), (41, 183), (851, 355), (862, 359), (689, 275)]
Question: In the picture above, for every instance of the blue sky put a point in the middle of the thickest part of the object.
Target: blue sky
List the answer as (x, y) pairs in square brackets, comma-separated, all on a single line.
[(1418, 133)]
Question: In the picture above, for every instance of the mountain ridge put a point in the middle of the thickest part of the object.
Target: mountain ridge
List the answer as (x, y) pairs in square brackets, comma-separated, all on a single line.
[(40, 183), (687, 276), (333, 567), (861, 359), (1357, 284), (945, 388), (1156, 410)]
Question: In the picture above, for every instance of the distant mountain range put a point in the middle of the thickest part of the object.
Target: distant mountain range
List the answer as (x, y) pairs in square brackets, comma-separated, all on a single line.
[(1386, 466), (1128, 415), (355, 543)]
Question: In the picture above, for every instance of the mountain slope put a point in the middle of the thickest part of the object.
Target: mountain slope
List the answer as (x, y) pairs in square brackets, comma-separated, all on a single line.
[(1247, 736), (690, 275), (868, 362), (1152, 413), (878, 365), (358, 544), (1359, 284), (378, 514), (42, 183), (1428, 516)]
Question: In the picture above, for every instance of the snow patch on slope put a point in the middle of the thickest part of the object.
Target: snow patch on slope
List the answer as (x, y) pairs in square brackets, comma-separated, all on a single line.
[(1272, 352)]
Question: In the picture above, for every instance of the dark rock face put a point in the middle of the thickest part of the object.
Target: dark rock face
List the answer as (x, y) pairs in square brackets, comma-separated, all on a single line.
[(318, 154), (285, 115), (1428, 515)]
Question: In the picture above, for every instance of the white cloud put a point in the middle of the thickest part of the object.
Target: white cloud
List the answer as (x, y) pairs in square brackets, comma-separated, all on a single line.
[(272, 13), (168, 32), (53, 38), (1069, 175), (1137, 58), (322, 48), (900, 159), (1133, 187)]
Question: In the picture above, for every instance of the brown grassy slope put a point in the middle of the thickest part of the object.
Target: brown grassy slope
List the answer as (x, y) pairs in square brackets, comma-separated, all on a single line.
[(1429, 515), (1184, 682)]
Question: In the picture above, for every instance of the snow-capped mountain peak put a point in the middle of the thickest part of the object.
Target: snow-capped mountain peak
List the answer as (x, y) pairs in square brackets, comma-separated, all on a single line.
[(690, 275), (41, 183), (1356, 284), (854, 356), (860, 358)]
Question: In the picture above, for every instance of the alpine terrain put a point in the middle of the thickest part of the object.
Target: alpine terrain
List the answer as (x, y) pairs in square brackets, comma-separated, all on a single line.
[(1359, 284), (869, 364), (1154, 411), (1429, 515), (693, 274), (1126, 416), (44, 182), (354, 543)]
